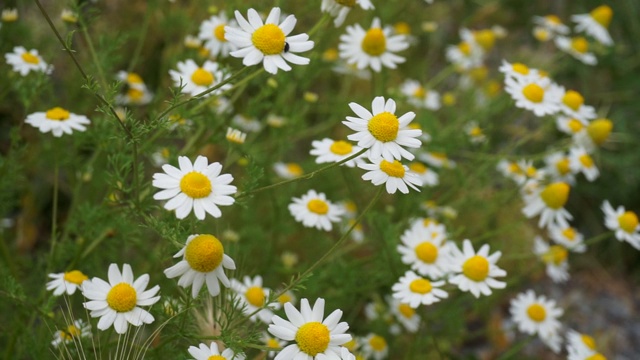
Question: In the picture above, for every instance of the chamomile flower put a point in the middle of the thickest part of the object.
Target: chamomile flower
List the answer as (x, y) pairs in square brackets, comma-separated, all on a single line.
[(204, 352), (195, 79), (580, 346), (393, 174), (382, 131), (583, 353), (581, 161), (465, 55), (549, 204), (199, 187), (572, 105), (474, 132), (535, 314), (9, 15), (118, 301), (314, 210), (315, 337), (595, 23), (288, 170), (269, 42), (212, 33), (426, 175), (437, 159), (374, 346), (596, 134), (572, 126), (555, 259), (568, 237), (338, 9), (134, 96), (58, 121), (420, 97), (374, 48), (69, 16), (537, 94), (253, 296), (578, 47), (357, 234), (272, 342), (246, 123), (66, 282), (73, 332), (558, 168), (203, 260), (624, 223), (328, 150), (24, 61), (405, 314), (552, 24), (235, 136), (425, 250), (416, 290), (511, 170), (476, 271), (287, 297), (518, 71)]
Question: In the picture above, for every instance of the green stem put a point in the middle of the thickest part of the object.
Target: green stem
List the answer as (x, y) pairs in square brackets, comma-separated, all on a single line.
[(319, 24), (142, 37), (54, 215), (94, 55), (443, 74)]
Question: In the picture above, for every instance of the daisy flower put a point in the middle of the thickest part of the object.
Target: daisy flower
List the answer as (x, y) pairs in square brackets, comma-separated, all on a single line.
[(212, 33), (339, 9), (131, 79), (357, 234), (420, 97), (437, 159), (425, 174), (425, 250), (580, 161), (382, 131), (624, 223), (203, 259), (246, 123), (549, 204), (198, 186), (9, 15), (597, 133), (578, 47), (288, 296), (465, 55), (253, 296), (134, 96), (568, 237), (272, 342), (577, 128), (415, 290), (315, 337), (537, 94), (374, 48), (195, 79), (204, 352), (328, 150), (79, 329), (236, 136), (118, 301), (535, 314), (552, 24), (474, 132), (66, 282), (573, 106), (595, 23), (288, 170), (24, 61), (555, 259), (405, 314), (476, 271), (268, 42), (374, 347), (583, 353), (69, 16), (314, 210), (58, 121), (557, 167), (518, 71), (394, 175), (511, 170), (581, 346)]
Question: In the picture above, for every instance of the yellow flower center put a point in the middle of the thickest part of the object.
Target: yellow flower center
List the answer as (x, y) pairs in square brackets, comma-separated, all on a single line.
[(402, 27), (599, 130), (514, 168), (420, 286), (541, 34), (465, 48), (533, 93), (195, 185), (486, 38), (586, 161), (135, 94), (57, 113), (580, 44), (569, 233), (351, 344), (628, 221), (536, 312), (602, 14), (284, 298), (318, 206), (573, 99), (75, 277), (555, 195), (384, 126), (374, 42), (204, 253), (394, 169), (330, 54), (478, 74), (419, 92), (406, 310), (531, 171), (556, 255), (596, 356), (313, 338), (30, 58), (218, 32), (588, 341), (269, 39), (347, 3), (273, 343), (133, 78), (563, 166), (553, 19), (449, 99), (294, 169), (417, 167), (216, 357), (476, 268), (575, 125), (341, 147), (475, 131), (255, 296), (427, 252), (202, 77), (378, 343), (122, 297)]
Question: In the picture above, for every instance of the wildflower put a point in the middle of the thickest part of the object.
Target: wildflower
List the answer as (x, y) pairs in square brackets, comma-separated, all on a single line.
[(134, 96), (393, 174), (9, 15), (253, 297), (276, 121), (192, 42), (357, 234), (69, 16), (199, 187), (582, 347), (595, 23), (118, 301), (415, 290), (549, 204), (518, 71), (382, 131), (212, 33), (313, 336), (537, 94), (314, 210), (328, 150), (247, 124), (420, 97), (551, 25), (375, 347), (211, 352), (476, 271), (24, 61), (558, 168), (578, 47), (568, 237), (624, 223), (287, 297), (476, 136), (272, 342), (66, 282), (555, 259), (195, 79), (437, 159), (203, 259), (580, 161), (425, 174), (310, 97), (465, 55), (536, 315), (374, 48), (79, 329), (288, 170), (268, 42), (339, 9), (289, 259), (405, 314), (58, 121), (597, 133), (236, 136), (425, 249)]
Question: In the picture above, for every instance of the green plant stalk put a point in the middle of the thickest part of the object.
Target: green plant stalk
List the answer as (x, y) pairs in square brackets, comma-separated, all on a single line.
[(93, 54), (54, 215), (144, 30)]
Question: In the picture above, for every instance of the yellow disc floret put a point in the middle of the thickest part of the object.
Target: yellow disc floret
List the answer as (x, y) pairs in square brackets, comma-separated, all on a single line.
[(575, 125), (602, 14), (255, 296), (216, 357), (555, 195), (218, 32), (520, 68), (599, 130), (30, 58), (569, 233), (202, 77), (133, 78), (563, 166), (294, 169), (393, 169), (378, 343), (419, 92), (420, 286), (536, 312), (596, 356), (384, 126), (586, 161), (269, 39), (57, 113), (313, 338), (556, 255), (476, 268), (204, 253), (533, 93), (573, 100), (273, 343), (464, 48), (195, 185), (406, 310), (418, 167), (374, 42), (122, 297), (628, 221), (318, 206), (486, 38), (580, 44), (341, 147), (427, 252), (75, 277), (589, 341)]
